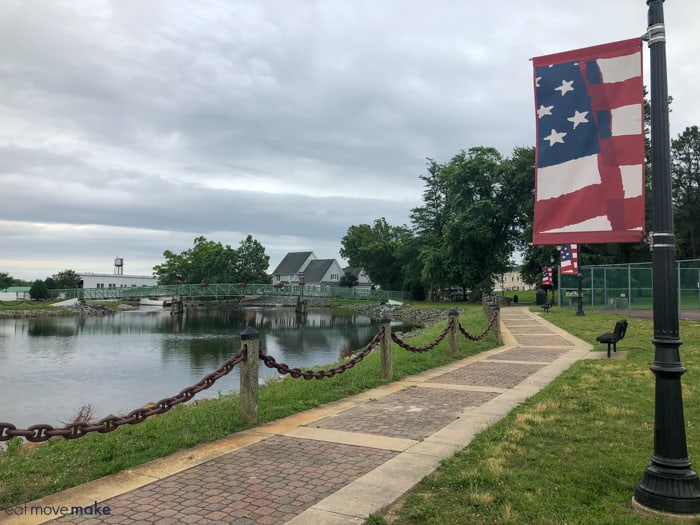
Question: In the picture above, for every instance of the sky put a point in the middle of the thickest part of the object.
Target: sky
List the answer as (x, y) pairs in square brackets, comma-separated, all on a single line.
[(132, 127)]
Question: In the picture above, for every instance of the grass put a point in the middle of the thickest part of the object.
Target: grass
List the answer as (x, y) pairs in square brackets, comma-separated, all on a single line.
[(571, 454), (30, 473)]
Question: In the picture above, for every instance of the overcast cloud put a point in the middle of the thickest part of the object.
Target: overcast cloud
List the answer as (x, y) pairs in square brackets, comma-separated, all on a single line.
[(129, 128)]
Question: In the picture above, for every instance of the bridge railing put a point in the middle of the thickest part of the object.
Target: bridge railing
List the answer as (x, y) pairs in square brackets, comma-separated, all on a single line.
[(221, 291)]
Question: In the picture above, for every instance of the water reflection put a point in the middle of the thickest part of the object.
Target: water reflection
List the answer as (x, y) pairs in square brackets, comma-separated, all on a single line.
[(49, 367)]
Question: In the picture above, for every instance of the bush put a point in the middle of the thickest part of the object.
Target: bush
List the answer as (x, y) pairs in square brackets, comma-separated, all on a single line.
[(39, 290)]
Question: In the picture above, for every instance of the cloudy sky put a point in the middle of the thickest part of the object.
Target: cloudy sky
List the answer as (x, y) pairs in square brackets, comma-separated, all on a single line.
[(131, 127)]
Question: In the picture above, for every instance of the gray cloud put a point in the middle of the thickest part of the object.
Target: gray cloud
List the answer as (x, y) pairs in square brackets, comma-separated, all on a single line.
[(130, 127)]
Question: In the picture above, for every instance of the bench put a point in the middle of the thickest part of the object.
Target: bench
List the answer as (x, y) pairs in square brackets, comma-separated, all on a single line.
[(611, 338)]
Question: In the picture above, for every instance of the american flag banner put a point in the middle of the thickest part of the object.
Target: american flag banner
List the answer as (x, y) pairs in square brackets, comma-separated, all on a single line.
[(590, 145), (547, 276), (568, 258)]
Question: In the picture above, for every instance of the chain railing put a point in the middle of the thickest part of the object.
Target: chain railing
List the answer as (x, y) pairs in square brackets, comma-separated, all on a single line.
[(284, 369), (425, 348), (248, 357), (483, 334), (43, 432)]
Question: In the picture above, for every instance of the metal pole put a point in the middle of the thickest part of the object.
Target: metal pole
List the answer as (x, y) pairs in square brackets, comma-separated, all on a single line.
[(668, 484), (579, 311)]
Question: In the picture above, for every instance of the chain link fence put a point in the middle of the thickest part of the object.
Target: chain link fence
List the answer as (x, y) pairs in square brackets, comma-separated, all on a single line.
[(627, 286)]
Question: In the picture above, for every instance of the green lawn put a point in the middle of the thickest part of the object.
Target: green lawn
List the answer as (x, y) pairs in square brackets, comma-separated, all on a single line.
[(574, 452)]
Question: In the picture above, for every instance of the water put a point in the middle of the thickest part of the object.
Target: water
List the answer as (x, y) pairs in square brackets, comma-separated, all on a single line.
[(50, 367)]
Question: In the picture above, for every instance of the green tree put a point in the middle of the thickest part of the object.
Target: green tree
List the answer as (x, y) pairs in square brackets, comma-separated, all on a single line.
[(252, 262), (348, 280), (39, 291), (66, 279), (429, 226), (685, 155), (6, 281), (212, 262), (377, 249)]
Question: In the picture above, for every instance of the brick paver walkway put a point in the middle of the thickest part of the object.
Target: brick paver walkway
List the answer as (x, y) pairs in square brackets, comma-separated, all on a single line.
[(341, 466)]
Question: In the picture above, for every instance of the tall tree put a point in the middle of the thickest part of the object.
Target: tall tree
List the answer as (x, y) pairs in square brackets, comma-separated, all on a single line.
[(472, 218), (685, 155), (252, 262), (377, 249)]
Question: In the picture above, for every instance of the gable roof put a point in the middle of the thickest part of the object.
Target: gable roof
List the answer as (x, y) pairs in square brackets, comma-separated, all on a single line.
[(291, 263), (316, 269)]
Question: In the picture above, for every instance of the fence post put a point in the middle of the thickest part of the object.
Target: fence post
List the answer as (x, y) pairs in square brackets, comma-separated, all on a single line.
[(387, 366), (454, 341), (496, 311), (249, 376)]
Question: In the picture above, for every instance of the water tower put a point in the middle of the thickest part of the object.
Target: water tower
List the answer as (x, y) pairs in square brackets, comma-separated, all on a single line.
[(118, 266)]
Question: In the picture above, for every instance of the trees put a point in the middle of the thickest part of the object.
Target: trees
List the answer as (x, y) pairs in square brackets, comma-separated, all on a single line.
[(379, 249), (474, 214), (39, 291), (209, 261), (348, 280), (66, 279), (685, 157), (5, 280)]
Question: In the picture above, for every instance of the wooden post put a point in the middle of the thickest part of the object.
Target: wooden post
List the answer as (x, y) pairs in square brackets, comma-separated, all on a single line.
[(454, 341), (387, 366), (249, 376)]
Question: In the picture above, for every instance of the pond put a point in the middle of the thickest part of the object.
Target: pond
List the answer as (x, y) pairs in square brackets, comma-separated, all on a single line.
[(51, 367)]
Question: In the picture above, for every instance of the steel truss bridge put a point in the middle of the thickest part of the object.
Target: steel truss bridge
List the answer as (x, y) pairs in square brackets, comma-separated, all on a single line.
[(226, 291)]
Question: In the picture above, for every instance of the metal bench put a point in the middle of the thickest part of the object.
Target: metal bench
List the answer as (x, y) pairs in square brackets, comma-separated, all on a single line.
[(611, 338)]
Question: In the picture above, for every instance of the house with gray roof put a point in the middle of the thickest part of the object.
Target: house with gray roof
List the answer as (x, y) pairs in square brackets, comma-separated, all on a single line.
[(293, 264), (323, 271), (297, 265)]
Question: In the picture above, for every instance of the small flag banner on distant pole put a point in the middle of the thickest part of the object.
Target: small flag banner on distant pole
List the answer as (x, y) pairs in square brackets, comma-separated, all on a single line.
[(590, 145), (547, 276), (568, 258)]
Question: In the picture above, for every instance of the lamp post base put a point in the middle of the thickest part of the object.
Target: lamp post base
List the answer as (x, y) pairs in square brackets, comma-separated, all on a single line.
[(669, 490)]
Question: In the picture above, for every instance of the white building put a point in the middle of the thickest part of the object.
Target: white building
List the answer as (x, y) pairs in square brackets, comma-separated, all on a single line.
[(108, 280), (116, 279)]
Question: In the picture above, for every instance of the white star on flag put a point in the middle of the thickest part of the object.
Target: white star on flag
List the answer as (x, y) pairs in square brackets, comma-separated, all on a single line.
[(554, 137), (544, 110), (578, 118), (566, 86)]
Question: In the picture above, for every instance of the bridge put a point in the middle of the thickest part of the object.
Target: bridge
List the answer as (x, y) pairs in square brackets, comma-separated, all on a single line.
[(226, 291)]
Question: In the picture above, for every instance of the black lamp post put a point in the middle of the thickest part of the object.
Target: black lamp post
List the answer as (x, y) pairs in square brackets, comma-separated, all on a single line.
[(668, 484), (579, 310)]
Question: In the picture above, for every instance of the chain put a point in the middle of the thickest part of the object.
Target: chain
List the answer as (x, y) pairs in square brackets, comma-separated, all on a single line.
[(482, 334), (427, 347), (283, 369), (37, 433)]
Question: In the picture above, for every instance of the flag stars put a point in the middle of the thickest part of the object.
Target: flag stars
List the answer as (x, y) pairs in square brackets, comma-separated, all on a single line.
[(555, 137), (544, 110), (537, 81), (566, 86), (578, 118)]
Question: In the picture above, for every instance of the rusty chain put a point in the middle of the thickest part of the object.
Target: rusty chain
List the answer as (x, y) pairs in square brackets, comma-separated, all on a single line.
[(427, 347), (283, 369), (43, 432), (482, 334)]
